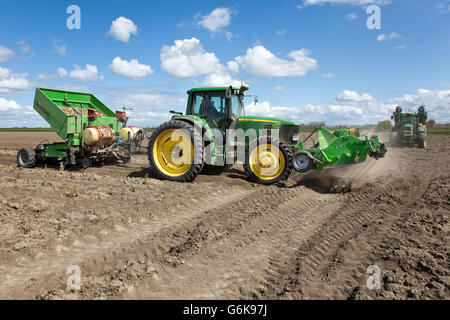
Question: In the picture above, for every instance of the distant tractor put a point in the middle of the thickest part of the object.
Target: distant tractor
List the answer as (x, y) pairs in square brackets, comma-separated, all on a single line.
[(409, 128), (216, 133)]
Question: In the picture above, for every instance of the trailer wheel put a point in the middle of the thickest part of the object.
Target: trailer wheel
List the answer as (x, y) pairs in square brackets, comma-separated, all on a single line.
[(86, 162), (302, 161), (26, 157), (268, 161)]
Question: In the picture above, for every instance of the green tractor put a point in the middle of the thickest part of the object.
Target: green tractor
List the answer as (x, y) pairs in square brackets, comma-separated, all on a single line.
[(216, 133), (409, 128)]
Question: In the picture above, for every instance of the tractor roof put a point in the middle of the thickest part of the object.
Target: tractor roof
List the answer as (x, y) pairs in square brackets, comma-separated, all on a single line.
[(242, 89)]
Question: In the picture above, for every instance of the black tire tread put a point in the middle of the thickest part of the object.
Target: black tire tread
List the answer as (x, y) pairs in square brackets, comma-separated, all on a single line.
[(31, 158), (288, 162), (195, 169)]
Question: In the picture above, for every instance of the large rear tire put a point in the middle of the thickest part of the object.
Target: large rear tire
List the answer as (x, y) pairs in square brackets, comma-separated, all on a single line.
[(175, 151), (26, 157), (268, 161)]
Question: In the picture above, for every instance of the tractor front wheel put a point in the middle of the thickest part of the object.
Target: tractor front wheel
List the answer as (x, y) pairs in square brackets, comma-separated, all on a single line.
[(175, 151), (268, 161)]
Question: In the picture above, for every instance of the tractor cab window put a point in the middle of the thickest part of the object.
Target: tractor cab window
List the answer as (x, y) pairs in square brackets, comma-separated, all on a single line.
[(236, 106), (197, 101), (209, 104)]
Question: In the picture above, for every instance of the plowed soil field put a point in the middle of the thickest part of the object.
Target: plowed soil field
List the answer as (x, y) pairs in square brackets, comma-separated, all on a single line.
[(223, 237)]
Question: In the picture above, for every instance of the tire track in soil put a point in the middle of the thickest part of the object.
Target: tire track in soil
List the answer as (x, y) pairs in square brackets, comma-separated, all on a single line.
[(312, 274), (221, 222), (242, 261), (42, 271), (155, 241)]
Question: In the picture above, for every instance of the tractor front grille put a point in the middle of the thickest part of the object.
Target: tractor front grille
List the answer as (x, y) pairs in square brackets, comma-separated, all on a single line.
[(287, 133)]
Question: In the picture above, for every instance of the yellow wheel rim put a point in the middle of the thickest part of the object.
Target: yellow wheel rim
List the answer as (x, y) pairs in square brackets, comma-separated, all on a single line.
[(267, 162), (173, 152)]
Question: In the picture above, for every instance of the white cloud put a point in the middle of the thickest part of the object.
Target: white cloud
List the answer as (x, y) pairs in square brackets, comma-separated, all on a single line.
[(217, 20), (25, 50), (122, 28), (131, 69), (59, 48), (436, 102), (329, 75), (343, 109), (351, 16), (14, 115), (5, 54), (352, 96), (4, 73), (260, 61), (279, 88), (187, 59), (62, 73), (44, 76), (8, 105), (150, 107), (233, 66), (393, 35), (443, 7), (89, 74), (281, 32), (62, 51), (220, 80), (12, 82), (349, 2)]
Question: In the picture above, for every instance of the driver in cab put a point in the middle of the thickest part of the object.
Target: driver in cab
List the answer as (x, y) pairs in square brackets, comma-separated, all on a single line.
[(210, 111)]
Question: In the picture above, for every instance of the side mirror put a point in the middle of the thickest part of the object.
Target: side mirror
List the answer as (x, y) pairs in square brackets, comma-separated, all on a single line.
[(255, 100)]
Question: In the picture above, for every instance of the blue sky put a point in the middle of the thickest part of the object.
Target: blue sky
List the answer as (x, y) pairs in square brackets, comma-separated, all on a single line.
[(307, 60)]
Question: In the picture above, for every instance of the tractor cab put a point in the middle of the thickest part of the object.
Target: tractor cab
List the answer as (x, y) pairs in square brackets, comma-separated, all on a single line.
[(219, 106)]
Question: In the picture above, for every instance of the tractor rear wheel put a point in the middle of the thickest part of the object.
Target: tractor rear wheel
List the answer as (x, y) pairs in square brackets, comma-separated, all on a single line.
[(175, 151), (268, 161), (26, 157)]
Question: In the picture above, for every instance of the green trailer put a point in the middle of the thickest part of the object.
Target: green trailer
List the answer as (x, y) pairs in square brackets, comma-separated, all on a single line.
[(89, 130), (215, 133)]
